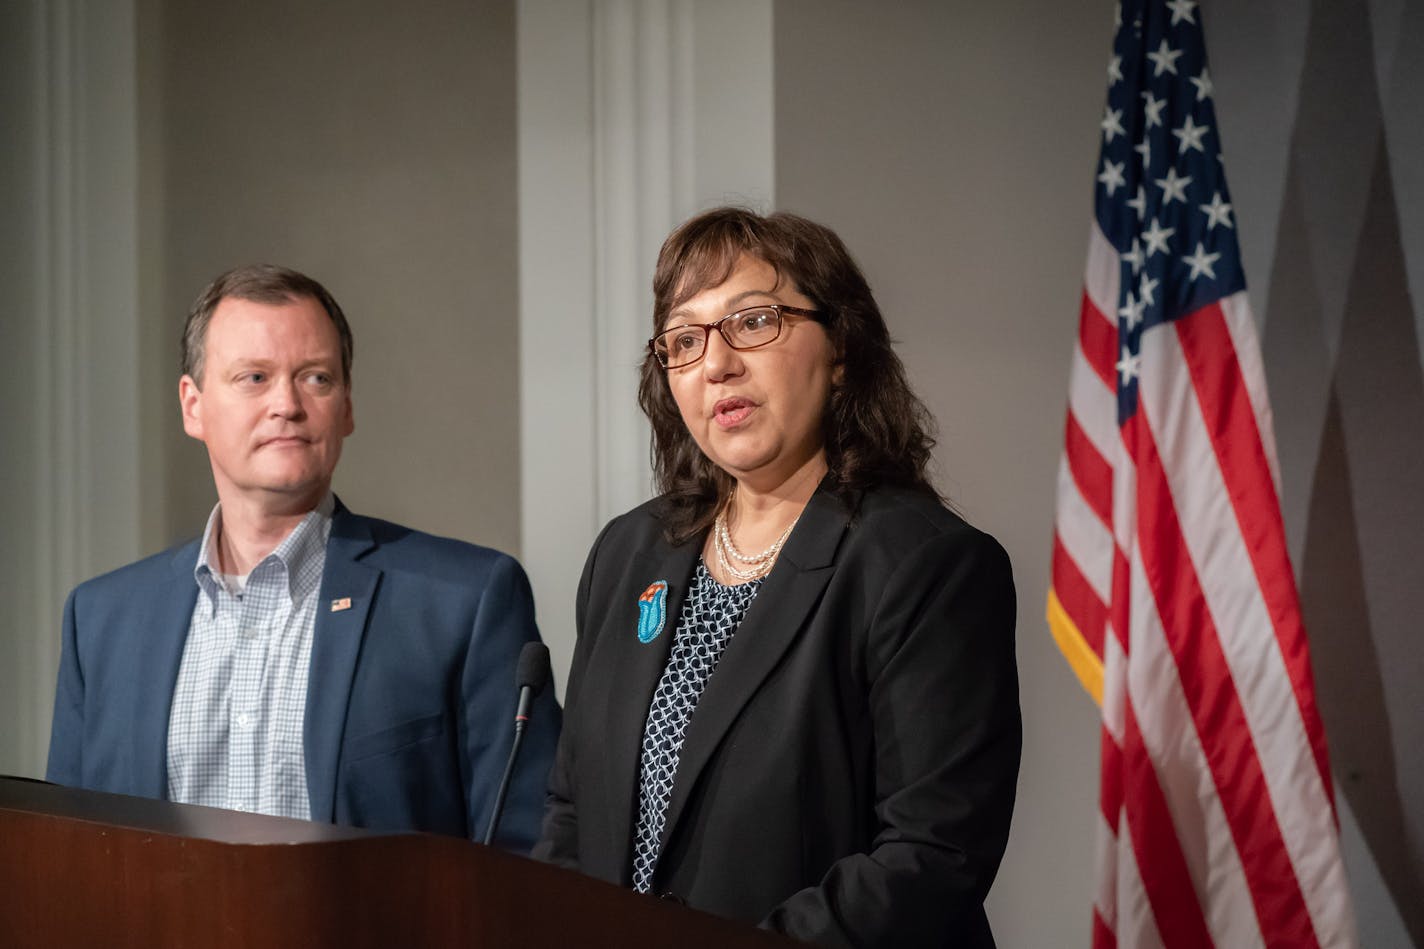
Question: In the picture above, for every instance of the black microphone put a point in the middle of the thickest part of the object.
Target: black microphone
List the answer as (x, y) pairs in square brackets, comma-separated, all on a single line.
[(531, 675)]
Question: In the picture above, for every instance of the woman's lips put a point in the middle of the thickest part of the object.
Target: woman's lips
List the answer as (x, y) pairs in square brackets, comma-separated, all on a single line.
[(729, 413)]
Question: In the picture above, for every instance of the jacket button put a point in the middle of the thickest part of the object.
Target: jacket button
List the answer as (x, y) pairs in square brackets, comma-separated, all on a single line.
[(672, 898)]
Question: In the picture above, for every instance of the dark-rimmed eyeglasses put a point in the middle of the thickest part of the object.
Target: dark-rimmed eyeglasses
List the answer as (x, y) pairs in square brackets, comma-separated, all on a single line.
[(745, 329)]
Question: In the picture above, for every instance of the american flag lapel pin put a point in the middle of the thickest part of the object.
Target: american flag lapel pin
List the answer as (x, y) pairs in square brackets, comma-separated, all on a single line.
[(342, 604)]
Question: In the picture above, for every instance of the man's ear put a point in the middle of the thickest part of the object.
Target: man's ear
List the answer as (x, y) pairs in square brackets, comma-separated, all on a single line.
[(190, 399)]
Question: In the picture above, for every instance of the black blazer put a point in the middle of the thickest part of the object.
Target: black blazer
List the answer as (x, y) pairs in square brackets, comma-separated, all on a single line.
[(849, 772)]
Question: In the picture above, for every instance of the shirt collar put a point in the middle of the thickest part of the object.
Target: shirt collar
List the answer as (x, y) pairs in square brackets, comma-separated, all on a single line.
[(302, 552)]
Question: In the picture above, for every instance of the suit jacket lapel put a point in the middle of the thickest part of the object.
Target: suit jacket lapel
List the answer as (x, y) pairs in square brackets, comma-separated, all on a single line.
[(161, 639), (773, 621), (636, 669), (336, 643)]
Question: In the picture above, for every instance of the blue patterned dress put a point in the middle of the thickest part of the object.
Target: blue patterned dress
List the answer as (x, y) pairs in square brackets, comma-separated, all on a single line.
[(710, 616)]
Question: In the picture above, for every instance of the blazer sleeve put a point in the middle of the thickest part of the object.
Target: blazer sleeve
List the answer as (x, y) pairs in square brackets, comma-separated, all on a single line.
[(66, 737), (943, 699), (558, 842), (503, 624)]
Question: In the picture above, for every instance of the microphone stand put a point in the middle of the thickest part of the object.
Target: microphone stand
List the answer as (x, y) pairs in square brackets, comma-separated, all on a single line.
[(533, 673)]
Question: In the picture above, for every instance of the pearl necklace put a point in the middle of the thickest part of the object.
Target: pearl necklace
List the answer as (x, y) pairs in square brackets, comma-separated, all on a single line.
[(757, 565)]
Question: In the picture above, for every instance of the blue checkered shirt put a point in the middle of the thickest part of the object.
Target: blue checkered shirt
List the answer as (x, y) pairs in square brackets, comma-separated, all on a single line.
[(235, 726)]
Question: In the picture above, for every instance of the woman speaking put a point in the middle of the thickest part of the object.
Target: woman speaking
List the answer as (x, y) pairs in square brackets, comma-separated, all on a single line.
[(793, 699)]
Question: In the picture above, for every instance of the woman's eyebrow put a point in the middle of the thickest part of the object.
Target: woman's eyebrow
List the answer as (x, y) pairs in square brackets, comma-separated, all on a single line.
[(730, 305)]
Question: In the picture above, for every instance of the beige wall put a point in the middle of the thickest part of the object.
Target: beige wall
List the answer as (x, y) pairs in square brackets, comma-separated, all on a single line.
[(69, 448), (19, 381), (633, 114), (155, 143), (370, 145), (1335, 198), (952, 145)]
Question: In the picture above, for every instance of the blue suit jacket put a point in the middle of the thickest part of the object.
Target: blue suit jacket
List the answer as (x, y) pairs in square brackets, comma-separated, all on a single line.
[(410, 697)]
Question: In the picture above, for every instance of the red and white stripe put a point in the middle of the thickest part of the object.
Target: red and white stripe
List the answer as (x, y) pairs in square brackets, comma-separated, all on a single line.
[(1174, 600)]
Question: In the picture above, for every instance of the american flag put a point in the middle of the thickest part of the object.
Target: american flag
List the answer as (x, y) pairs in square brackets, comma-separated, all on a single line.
[(1172, 592)]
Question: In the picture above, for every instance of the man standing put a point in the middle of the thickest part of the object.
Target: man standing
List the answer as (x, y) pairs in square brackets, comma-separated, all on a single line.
[(299, 660)]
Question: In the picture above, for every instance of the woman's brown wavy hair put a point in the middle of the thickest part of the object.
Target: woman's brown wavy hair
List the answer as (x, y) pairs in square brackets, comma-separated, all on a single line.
[(876, 430)]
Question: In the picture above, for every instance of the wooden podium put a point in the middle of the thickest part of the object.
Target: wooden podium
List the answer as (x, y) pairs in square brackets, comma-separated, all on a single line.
[(79, 868)]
